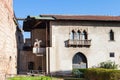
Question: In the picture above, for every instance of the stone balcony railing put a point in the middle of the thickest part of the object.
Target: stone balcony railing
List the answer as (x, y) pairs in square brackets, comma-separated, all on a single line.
[(39, 51), (79, 43)]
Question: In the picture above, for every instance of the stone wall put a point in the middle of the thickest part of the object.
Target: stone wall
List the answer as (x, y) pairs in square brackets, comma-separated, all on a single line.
[(8, 45)]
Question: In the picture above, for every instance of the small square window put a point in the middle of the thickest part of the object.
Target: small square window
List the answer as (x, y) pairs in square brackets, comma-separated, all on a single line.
[(112, 54)]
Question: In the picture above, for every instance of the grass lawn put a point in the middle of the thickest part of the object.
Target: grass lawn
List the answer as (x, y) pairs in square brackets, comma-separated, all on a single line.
[(67, 78), (43, 78), (30, 78)]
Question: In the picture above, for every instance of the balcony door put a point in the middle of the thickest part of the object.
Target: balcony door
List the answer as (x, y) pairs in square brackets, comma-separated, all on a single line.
[(79, 61)]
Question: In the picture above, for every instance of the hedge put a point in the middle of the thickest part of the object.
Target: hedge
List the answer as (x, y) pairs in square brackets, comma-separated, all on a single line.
[(102, 74), (74, 79), (79, 73)]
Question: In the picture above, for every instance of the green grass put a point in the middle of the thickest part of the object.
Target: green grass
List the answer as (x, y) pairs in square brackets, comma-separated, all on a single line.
[(43, 78), (30, 78), (66, 78)]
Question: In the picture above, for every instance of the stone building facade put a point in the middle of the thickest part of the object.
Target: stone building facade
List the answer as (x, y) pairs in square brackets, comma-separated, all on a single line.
[(72, 42), (8, 39)]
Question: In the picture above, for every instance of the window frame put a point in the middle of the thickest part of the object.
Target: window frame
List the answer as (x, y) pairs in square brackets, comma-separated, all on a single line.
[(111, 35), (111, 54)]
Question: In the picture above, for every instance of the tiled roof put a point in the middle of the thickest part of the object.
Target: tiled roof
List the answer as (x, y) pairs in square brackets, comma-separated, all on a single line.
[(84, 17), (33, 21)]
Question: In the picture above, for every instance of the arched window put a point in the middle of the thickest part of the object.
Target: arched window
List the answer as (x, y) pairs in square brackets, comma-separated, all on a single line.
[(72, 35), (85, 36), (78, 35), (111, 35), (79, 61)]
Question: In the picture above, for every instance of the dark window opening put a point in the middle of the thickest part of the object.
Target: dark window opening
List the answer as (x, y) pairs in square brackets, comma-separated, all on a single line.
[(85, 35), (111, 35), (79, 58), (112, 54), (79, 61), (30, 65)]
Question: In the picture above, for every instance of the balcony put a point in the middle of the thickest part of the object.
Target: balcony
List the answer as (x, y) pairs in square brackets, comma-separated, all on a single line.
[(78, 43), (39, 51)]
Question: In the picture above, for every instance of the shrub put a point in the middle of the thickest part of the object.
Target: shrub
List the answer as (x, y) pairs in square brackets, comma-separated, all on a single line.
[(102, 74), (74, 79), (108, 65), (79, 73)]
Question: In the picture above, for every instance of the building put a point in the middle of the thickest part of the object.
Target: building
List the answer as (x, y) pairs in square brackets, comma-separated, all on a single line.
[(71, 41), (20, 44), (8, 39)]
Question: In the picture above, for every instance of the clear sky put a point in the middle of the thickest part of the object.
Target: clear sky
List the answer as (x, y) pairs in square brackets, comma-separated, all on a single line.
[(23, 8)]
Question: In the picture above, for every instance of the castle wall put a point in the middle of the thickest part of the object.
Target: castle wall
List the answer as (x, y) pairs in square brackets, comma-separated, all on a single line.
[(8, 45)]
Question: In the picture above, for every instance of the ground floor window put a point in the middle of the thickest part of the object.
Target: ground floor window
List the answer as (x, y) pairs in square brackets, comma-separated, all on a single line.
[(79, 61), (30, 65)]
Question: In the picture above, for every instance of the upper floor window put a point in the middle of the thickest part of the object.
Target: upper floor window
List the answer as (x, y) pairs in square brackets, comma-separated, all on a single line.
[(85, 35), (79, 38), (111, 34), (78, 35), (72, 35)]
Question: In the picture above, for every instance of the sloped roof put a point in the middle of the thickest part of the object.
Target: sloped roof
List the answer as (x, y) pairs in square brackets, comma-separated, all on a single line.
[(42, 17), (34, 21), (84, 17)]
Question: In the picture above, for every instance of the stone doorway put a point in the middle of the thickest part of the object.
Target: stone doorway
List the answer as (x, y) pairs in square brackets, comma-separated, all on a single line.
[(79, 61)]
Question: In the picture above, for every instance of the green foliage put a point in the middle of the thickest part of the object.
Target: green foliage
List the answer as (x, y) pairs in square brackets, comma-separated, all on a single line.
[(74, 79), (79, 73), (31, 78), (102, 74), (108, 65)]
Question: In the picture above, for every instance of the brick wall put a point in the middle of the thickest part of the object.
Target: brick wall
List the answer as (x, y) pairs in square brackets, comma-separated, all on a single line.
[(8, 46)]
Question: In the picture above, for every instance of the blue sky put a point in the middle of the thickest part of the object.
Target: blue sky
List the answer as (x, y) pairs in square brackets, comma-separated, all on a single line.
[(23, 8)]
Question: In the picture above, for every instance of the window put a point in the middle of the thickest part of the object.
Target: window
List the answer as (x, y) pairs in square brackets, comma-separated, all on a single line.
[(72, 35), (111, 35), (78, 38), (112, 54), (79, 57), (78, 35), (30, 65), (79, 61), (85, 35)]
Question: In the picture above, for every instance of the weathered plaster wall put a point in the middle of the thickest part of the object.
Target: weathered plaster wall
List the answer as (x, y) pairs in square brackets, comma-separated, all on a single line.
[(101, 46)]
